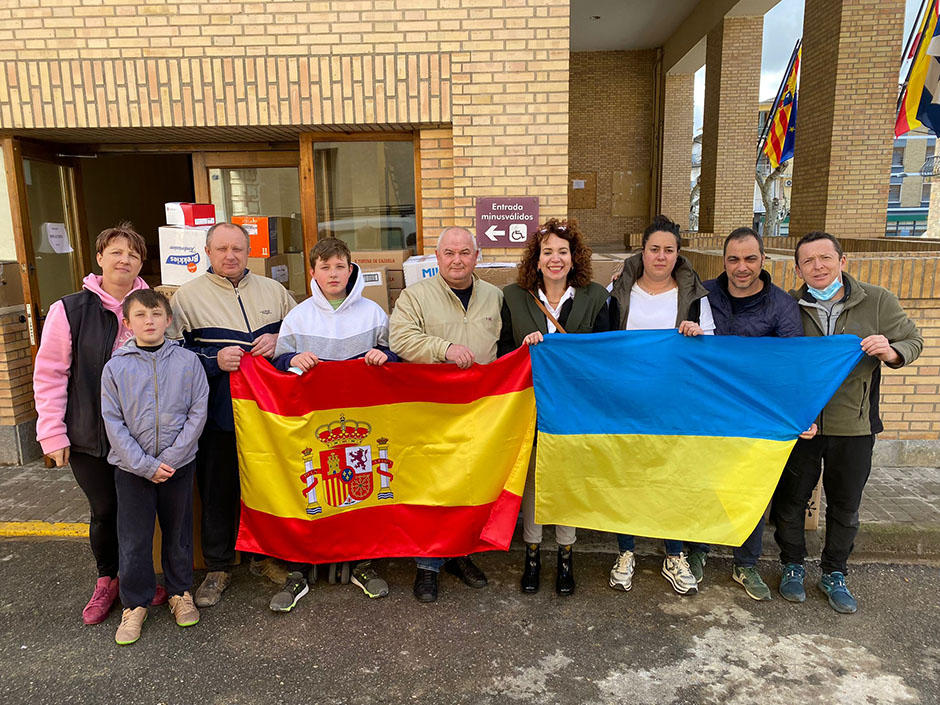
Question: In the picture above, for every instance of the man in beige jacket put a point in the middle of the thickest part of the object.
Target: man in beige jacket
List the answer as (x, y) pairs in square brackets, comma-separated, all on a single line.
[(453, 316)]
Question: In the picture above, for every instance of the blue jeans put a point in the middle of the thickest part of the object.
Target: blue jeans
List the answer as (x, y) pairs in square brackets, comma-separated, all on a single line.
[(626, 543), (745, 555), (432, 564)]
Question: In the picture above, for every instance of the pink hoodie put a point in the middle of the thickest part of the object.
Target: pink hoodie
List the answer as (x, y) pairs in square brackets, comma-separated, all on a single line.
[(54, 364)]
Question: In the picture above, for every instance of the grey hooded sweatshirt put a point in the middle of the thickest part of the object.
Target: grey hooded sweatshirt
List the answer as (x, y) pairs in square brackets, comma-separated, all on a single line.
[(154, 407)]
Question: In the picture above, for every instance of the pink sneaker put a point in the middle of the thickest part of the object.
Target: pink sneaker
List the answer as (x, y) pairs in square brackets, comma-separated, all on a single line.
[(159, 597), (99, 606)]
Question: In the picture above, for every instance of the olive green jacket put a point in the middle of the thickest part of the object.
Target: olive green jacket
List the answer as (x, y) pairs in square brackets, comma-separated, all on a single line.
[(868, 310), (521, 315)]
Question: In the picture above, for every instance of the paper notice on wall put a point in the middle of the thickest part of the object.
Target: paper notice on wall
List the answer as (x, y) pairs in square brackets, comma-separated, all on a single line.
[(55, 238), (577, 183)]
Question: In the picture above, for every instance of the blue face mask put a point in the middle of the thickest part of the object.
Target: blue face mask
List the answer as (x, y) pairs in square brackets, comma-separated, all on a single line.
[(828, 292)]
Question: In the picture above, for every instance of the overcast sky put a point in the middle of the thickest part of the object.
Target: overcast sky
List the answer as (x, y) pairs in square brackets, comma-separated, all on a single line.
[(783, 25)]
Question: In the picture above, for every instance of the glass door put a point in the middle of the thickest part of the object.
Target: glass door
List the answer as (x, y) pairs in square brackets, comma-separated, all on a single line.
[(52, 230)]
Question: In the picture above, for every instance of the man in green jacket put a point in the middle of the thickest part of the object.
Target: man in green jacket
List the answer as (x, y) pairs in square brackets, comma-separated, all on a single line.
[(832, 303), (453, 316)]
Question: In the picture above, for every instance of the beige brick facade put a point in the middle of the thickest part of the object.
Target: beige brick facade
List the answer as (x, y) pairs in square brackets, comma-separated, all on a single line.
[(484, 69), (611, 113), (729, 149), (678, 128), (843, 150)]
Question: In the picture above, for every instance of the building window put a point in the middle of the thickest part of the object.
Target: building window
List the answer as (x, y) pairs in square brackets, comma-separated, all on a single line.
[(925, 195), (894, 194), (365, 194)]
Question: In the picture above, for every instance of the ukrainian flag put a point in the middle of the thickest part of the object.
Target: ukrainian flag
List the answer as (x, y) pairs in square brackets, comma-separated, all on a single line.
[(655, 434), (350, 461)]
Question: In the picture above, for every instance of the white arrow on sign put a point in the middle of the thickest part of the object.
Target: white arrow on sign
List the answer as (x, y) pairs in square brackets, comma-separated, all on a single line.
[(492, 233)]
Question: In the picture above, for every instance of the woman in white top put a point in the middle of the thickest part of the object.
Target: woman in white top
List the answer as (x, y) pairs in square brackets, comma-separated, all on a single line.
[(659, 290)]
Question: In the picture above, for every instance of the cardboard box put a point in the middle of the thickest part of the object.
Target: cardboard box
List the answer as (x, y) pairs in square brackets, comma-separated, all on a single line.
[(604, 267), (182, 253), (497, 273), (262, 234), (393, 295), (258, 265), (289, 268), (418, 268), (290, 234), (390, 259), (811, 520), (375, 287), (395, 278), (190, 214)]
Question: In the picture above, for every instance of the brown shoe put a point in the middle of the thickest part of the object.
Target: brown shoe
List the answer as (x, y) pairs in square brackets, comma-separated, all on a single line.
[(270, 568), (184, 610), (210, 592), (129, 630)]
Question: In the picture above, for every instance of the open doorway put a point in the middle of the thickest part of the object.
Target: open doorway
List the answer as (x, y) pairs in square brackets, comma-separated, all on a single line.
[(134, 187)]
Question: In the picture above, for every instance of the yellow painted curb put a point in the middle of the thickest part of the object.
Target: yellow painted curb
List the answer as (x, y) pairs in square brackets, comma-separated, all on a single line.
[(42, 528)]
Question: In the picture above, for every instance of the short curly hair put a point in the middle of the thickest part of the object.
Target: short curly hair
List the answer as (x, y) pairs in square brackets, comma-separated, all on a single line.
[(580, 275)]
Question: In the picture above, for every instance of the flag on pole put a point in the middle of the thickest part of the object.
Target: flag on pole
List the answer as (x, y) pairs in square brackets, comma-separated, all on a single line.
[(921, 94), (687, 438), (350, 461), (779, 137)]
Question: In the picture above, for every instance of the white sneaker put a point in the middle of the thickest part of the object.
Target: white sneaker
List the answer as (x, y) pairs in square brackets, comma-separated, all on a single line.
[(676, 571), (621, 575)]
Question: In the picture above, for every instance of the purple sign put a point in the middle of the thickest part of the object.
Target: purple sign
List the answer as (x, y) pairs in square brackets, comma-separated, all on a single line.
[(506, 222)]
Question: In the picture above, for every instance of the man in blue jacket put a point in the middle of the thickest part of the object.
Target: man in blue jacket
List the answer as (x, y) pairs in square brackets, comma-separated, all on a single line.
[(745, 302)]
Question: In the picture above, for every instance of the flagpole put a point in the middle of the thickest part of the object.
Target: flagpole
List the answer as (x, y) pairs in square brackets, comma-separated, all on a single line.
[(776, 103)]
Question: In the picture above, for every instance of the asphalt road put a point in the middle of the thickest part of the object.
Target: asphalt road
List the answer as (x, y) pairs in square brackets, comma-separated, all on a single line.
[(475, 646)]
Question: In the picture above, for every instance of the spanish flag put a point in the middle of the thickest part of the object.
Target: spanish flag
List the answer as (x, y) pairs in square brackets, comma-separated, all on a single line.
[(921, 93), (780, 135), (350, 461), (655, 434)]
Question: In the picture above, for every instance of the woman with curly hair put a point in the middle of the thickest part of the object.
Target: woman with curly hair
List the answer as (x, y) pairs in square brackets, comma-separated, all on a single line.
[(553, 293)]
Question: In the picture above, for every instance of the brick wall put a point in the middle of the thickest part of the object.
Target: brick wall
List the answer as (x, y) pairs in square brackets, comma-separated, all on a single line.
[(848, 91), (487, 69), (911, 395), (16, 368), (611, 115), (678, 130), (729, 150)]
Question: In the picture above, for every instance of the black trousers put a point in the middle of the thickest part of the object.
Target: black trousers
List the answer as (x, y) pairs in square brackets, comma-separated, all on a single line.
[(220, 492), (845, 462), (140, 503), (96, 478)]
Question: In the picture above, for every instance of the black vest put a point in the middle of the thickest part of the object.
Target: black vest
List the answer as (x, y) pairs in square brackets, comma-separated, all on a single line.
[(94, 329)]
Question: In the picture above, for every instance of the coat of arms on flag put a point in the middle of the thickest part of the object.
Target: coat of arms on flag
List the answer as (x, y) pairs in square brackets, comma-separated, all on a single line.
[(344, 475)]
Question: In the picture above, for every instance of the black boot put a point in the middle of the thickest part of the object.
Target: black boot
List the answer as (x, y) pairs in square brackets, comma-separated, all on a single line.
[(564, 583), (533, 566)]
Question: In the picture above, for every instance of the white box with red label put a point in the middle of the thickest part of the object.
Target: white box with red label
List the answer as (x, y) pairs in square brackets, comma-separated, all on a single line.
[(192, 214), (182, 254)]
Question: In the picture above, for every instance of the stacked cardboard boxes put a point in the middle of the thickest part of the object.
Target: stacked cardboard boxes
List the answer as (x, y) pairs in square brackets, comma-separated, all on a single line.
[(390, 263), (183, 242)]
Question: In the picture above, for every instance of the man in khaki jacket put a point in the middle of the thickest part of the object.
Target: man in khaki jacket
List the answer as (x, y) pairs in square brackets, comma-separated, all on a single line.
[(452, 317)]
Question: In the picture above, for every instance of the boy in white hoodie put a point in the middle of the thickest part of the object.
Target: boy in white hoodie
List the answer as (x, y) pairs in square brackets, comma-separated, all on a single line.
[(335, 323)]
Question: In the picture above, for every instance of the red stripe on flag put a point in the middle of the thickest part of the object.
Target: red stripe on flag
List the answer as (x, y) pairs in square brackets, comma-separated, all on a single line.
[(329, 383), (398, 530)]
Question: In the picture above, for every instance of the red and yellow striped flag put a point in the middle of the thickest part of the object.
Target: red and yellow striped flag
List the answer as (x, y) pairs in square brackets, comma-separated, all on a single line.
[(349, 462), (778, 145)]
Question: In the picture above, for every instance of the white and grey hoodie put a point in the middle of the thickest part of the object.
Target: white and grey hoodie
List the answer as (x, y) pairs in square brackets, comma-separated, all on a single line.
[(348, 332)]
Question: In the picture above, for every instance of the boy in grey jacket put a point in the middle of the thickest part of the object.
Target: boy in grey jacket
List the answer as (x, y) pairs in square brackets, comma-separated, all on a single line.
[(154, 396)]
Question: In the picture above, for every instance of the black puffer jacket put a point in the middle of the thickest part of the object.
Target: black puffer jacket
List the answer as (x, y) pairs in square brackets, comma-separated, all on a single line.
[(773, 313)]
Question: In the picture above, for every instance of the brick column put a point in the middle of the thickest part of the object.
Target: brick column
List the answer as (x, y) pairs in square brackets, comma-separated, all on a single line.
[(729, 131), (844, 138), (678, 125)]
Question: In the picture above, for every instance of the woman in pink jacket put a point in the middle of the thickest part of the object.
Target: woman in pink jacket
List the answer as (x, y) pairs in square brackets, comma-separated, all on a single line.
[(78, 337)]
